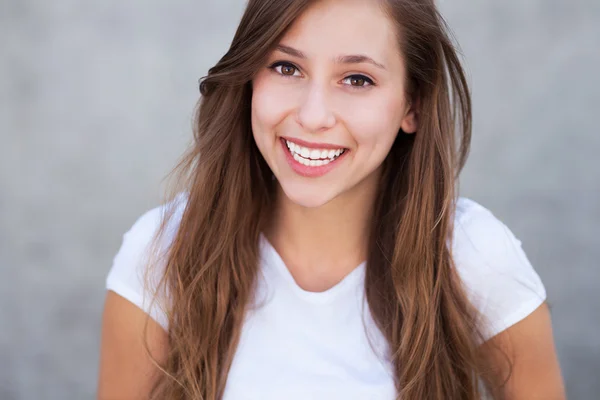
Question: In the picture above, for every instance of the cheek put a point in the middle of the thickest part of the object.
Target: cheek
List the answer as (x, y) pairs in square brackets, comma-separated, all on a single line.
[(375, 122), (268, 106)]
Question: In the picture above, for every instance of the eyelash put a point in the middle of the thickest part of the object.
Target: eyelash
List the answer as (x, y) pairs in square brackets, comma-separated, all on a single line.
[(368, 80)]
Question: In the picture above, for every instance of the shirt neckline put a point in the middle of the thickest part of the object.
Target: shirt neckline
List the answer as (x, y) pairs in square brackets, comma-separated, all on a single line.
[(350, 281)]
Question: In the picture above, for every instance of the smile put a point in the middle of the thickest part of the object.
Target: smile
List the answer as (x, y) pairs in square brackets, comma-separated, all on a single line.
[(312, 160), (313, 157)]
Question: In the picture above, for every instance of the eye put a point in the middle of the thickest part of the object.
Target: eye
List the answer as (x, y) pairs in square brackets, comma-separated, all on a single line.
[(285, 68), (358, 81)]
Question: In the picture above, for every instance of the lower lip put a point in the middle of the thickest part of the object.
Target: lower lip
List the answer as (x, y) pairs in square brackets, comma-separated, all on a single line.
[(307, 170)]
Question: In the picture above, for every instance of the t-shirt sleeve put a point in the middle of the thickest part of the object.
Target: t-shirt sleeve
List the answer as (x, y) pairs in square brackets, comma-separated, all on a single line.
[(135, 270), (497, 275)]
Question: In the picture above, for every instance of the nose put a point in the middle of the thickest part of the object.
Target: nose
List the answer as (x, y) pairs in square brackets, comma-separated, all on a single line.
[(314, 113)]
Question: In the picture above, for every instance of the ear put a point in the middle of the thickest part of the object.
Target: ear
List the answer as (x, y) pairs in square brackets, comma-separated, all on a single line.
[(410, 122)]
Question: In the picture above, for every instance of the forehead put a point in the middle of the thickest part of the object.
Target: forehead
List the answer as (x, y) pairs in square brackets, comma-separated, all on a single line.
[(333, 27)]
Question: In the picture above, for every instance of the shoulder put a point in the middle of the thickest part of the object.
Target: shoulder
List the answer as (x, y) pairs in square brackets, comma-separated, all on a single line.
[(136, 268), (495, 271)]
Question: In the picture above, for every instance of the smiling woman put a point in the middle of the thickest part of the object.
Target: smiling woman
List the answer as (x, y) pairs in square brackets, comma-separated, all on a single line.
[(346, 93), (316, 247)]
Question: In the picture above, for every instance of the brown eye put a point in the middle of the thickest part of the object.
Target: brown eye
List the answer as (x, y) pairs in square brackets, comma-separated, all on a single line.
[(357, 81), (288, 70), (284, 68)]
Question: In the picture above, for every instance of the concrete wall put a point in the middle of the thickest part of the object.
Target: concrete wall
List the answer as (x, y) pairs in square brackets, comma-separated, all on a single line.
[(96, 100)]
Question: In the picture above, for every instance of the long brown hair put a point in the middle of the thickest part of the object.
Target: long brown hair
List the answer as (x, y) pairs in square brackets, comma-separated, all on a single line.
[(413, 291)]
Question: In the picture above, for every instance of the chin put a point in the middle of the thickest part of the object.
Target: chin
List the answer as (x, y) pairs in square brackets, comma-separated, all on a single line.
[(308, 196)]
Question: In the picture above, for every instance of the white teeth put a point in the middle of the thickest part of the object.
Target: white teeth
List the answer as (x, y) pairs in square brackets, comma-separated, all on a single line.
[(312, 157), (301, 160)]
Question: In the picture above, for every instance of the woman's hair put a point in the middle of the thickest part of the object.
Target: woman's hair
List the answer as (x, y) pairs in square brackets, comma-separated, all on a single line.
[(412, 288)]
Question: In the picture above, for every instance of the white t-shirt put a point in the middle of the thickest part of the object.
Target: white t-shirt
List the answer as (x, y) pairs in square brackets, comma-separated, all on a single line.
[(306, 345)]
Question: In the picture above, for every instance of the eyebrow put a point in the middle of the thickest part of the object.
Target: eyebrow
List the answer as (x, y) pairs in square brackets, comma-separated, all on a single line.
[(347, 59)]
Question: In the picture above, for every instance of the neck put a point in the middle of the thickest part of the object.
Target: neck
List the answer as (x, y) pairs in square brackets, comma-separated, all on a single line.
[(321, 245)]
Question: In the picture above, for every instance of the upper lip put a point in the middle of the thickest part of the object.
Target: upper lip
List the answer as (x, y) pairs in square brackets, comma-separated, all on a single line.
[(312, 145)]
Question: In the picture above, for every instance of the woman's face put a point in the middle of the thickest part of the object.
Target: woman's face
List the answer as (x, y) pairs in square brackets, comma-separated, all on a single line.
[(330, 101)]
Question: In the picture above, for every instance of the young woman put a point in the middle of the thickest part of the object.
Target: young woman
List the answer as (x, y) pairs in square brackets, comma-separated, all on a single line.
[(317, 248)]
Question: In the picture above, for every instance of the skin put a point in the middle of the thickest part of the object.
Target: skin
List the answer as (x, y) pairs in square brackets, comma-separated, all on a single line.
[(318, 99), (535, 371), (314, 100), (126, 369)]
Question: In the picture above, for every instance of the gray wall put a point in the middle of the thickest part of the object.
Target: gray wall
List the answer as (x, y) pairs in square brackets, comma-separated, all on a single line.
[(96, 100)]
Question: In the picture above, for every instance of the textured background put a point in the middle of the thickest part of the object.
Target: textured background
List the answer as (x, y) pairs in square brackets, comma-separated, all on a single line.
[(96, 100)]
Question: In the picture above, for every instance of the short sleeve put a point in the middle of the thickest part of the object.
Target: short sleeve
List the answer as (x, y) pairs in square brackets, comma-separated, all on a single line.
[(137, 267), (495, 271)]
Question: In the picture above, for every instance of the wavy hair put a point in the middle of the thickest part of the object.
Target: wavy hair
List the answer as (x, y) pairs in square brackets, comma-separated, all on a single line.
[(412, 288)]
